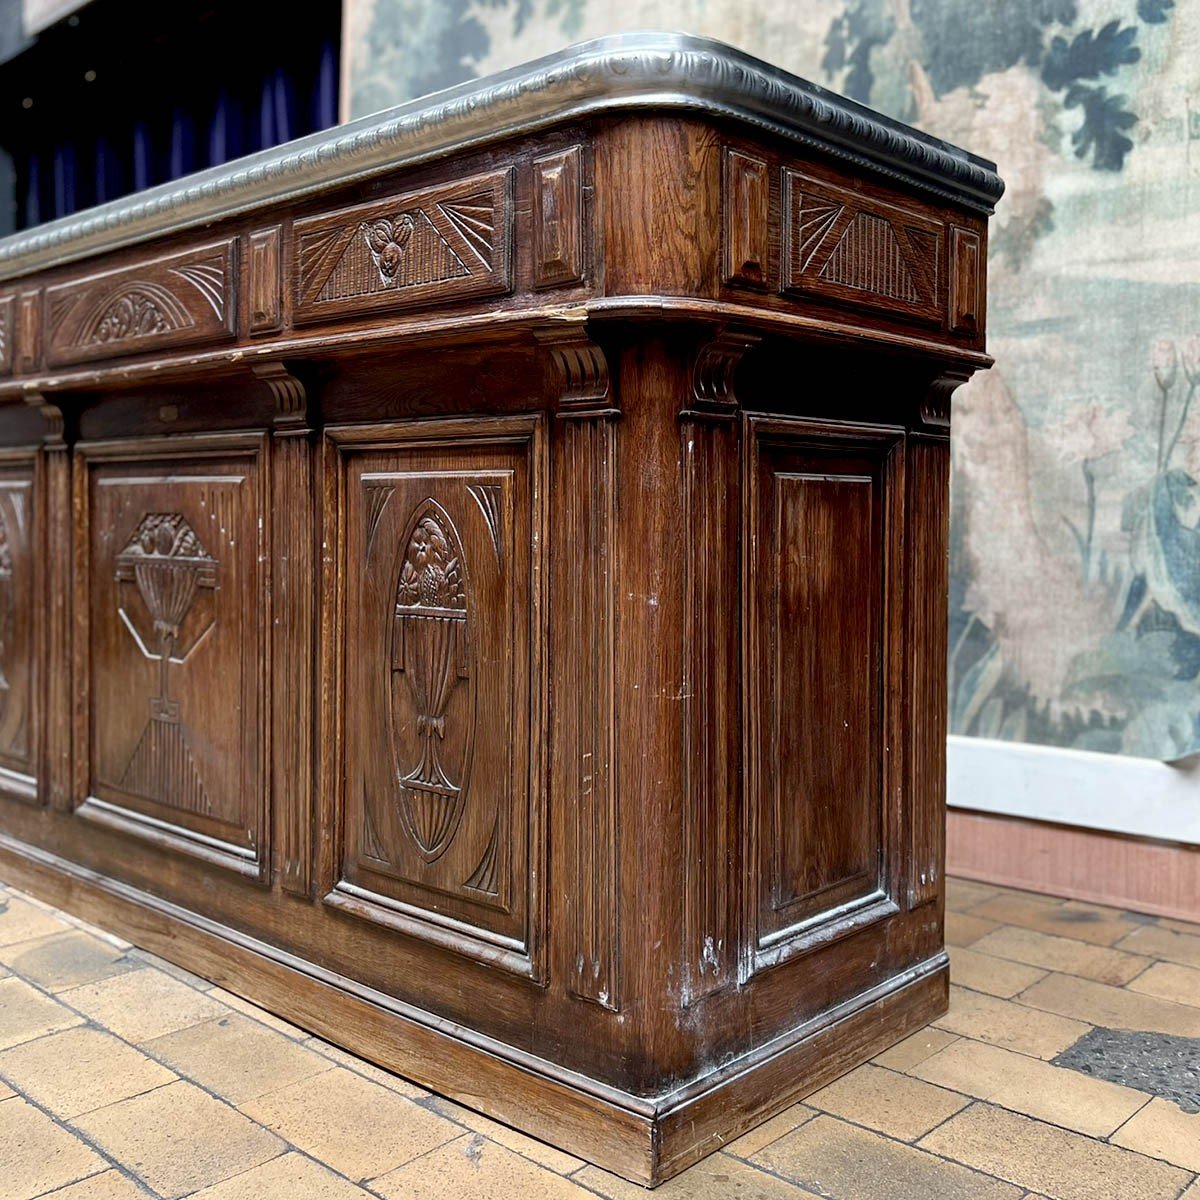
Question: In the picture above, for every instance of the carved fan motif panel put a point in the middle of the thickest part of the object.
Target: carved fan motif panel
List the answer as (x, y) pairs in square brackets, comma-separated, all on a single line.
[(183, 299), (439, 701), (17, 623), (440, 243), (175, 611), (845, 246)]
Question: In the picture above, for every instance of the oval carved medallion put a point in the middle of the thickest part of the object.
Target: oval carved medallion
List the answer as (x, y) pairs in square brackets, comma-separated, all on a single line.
[(432, 693)]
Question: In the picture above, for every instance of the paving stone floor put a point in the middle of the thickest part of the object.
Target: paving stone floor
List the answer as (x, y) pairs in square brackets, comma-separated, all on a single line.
[(122, 1077)]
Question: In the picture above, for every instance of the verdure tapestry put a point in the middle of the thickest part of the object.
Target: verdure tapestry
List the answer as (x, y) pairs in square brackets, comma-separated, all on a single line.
[(1075, 571)]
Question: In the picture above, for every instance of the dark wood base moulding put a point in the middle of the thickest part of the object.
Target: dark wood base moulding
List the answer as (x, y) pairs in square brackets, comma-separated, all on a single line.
[(474, 582), (644, 1139)]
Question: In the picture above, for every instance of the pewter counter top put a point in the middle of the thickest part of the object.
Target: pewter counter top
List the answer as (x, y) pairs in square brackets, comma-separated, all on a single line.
[(626, 71)]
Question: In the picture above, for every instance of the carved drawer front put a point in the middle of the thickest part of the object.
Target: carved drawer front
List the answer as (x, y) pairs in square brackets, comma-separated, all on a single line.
[(180, 300), (841, 245), (18, 620), (442, 828), (173, 593), (821, 543), (439, 244)]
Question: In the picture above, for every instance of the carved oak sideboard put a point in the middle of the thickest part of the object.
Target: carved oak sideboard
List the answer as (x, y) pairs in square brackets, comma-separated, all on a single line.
[(474, 581)]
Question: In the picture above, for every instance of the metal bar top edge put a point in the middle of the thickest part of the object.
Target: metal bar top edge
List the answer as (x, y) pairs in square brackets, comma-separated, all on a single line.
[(643, 70)]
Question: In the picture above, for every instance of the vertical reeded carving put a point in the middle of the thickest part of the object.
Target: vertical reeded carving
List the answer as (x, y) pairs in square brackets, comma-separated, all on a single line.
[(585, 720), (292, 629), (53, 509), (708, 457), (928, 518), (431, 653)]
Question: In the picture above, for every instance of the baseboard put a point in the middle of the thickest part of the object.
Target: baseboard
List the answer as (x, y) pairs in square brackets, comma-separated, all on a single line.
[(1083, 864), (1113, 793), (646, 1140)]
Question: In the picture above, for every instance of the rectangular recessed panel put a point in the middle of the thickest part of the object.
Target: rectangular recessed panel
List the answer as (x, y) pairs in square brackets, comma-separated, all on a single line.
[(440, 774), (816, 600), (18, 620), (175, 609)]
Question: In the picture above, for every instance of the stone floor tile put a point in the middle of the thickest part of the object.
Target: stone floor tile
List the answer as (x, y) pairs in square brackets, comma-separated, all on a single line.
[(1116, 1008), (393, 1082), (26, 1013), (1009, 1024), (1170, 981), (178, 1139), (1189, 927), (1159, 942), (79, 1070), (38, 1155), (898, 1105), (21, 921), (717, 1178), (1067, 955), (963, 929), (842, 1161), (141, 1005), (196, 982), (1028, 1085), (234, 1001), (1193, 1193), (111, 1185), (236, 1057), (117, 942), (1043, 1158), (5, 1090), (1082, 922), (915, 1048), (357, 1127), (964, 894), (67, 960), (761, 1136), (288, 1177), (520, 1143), (472, 1166), (995, 976), (1163, 1130)]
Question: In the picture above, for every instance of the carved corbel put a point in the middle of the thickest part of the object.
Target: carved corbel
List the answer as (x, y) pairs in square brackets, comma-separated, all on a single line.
[(933, 412), (714, 373), (52, 414), (583, 385), (291, 397)]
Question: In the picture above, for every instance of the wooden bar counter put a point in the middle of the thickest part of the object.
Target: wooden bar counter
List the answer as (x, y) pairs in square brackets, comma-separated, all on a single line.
[(474, 581)]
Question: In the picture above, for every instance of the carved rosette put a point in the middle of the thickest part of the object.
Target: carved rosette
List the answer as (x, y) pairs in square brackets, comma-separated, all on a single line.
[(431, 658)]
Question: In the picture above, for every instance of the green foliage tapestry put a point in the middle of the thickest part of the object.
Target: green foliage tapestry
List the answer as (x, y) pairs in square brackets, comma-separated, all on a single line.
[(1075, 570)]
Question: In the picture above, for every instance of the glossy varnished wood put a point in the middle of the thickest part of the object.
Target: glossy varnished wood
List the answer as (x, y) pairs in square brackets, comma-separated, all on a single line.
[(492, 613)]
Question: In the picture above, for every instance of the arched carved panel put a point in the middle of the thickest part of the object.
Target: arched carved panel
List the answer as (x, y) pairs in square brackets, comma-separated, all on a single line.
[(180, 300)]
